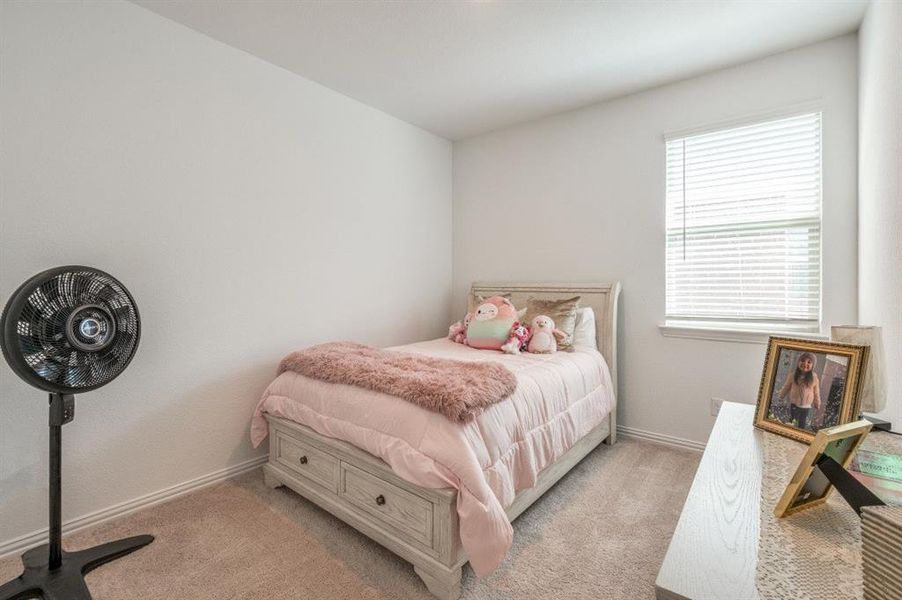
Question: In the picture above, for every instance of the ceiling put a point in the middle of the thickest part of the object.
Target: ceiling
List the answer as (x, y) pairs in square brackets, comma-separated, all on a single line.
[(459, 69)]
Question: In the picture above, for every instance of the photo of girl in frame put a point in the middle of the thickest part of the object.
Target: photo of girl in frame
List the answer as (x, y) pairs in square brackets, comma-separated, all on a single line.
[(804, 390), (807, 386)]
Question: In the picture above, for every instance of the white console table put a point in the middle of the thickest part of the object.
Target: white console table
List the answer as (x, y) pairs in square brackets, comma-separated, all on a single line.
[(714, 550), (716, 553)]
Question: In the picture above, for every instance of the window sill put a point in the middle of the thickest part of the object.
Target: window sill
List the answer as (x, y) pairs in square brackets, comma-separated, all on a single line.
[(743, 336)]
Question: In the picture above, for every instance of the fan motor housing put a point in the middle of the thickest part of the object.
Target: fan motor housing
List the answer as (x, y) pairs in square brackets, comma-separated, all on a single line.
[(90, 327)]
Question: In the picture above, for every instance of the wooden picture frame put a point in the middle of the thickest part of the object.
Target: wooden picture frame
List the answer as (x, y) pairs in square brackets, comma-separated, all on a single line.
[(831, 392), (809, 486)]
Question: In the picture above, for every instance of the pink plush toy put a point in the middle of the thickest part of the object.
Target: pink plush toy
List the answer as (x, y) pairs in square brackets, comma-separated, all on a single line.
[(518, 340), (491, 324), (458, 332), (545, 337)]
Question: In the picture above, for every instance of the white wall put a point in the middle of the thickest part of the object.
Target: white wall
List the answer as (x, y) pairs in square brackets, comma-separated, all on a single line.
[(250, 212), (880, 188), (580, 196)]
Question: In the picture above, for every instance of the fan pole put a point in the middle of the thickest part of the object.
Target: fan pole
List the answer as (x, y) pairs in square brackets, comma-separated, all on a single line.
[(62, 410), (49, 572)]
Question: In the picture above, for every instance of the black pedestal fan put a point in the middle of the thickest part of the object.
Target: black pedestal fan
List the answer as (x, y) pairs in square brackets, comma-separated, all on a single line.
[(67, 330)]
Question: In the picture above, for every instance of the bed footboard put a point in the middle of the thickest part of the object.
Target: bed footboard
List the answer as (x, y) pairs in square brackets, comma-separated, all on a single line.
[(418, 524)]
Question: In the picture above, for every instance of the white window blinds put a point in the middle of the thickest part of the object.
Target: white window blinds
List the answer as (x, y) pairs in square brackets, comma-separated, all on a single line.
[(744, 226)]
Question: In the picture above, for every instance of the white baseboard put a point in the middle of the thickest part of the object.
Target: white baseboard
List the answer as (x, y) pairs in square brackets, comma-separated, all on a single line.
[(36, 538), (660, 438)]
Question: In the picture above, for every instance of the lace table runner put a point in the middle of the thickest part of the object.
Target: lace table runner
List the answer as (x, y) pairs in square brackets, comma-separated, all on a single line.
[(815, 553)]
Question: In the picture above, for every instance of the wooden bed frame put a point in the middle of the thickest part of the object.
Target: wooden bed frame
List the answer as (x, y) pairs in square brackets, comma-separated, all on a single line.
[(416, 523)]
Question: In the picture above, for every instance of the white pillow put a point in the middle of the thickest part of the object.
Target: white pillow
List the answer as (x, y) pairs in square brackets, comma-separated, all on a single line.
[(584, 332)]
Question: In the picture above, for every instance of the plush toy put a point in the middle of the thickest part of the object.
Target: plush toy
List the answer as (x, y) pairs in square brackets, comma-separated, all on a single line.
[(458, 331), (491, 324), (518, 340), (545, 337)]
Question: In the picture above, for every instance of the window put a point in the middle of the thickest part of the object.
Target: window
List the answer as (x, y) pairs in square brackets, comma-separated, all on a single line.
[(744, 227)]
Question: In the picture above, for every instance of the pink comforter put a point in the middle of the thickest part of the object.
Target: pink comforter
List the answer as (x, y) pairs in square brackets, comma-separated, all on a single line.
[(559, 398)]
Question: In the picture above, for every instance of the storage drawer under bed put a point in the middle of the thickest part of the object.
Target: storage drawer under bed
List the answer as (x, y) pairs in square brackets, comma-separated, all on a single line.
[(305, 460), (348, 480), (406, 513)]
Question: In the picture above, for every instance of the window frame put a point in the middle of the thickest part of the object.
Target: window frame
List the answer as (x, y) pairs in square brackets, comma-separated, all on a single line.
[(738, 330)]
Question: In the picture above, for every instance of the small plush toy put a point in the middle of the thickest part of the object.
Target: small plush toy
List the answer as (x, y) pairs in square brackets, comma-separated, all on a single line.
[(518, 340), (458, 331), (545, 337), (491, 324)]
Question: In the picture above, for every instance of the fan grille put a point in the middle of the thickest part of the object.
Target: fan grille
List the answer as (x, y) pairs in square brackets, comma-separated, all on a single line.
[(75, 329)]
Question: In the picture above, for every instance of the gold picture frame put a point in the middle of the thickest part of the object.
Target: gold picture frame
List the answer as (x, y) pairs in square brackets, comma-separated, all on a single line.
[(781, 403), (808, 486)]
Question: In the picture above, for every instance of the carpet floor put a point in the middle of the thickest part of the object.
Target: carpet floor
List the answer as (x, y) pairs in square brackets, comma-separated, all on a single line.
[(600, 533)]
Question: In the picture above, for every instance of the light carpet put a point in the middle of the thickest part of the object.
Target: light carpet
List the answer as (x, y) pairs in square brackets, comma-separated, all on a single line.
[(600, 533)]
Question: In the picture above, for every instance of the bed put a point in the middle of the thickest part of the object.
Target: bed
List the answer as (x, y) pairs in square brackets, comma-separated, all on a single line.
[(438, 505)]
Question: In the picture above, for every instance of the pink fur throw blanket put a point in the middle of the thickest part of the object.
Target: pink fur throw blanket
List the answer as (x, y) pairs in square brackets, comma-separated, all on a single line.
[(457, 389)]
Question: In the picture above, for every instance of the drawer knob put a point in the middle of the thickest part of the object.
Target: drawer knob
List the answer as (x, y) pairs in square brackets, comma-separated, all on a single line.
[(303, 460), (380, 499)]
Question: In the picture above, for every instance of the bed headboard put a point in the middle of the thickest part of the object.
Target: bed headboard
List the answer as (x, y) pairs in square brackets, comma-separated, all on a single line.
[(602, 297)]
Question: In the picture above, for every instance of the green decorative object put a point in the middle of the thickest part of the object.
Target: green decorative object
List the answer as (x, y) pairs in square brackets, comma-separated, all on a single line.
[(878, 464)]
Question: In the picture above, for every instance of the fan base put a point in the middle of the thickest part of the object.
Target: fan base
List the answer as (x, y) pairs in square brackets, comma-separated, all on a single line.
[(67, 582)]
